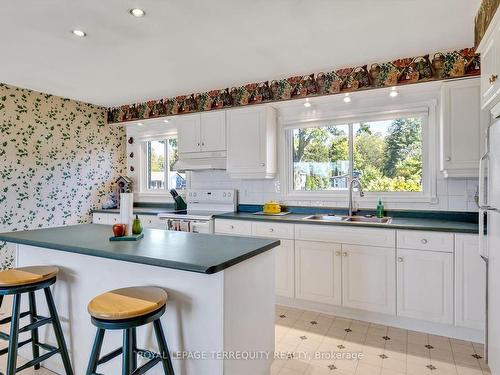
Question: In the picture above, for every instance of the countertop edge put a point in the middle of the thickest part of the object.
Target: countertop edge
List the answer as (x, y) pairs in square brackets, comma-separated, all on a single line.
[(141, 260), (283, 219)]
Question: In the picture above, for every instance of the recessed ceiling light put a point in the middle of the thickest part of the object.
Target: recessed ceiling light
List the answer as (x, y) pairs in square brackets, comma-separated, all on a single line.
[(393, 93), (347, 98), (79, 33), (140, 123), (307, 104), (137, 12)]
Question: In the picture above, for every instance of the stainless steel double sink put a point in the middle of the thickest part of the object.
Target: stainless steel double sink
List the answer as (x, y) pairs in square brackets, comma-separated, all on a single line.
[(350, 219)]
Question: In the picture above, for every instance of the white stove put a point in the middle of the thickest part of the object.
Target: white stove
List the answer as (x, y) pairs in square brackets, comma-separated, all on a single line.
[(202, 206)]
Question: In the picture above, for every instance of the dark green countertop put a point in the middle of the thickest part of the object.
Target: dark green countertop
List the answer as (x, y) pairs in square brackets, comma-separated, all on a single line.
[(440, 225), (201, 253), (137, 210)]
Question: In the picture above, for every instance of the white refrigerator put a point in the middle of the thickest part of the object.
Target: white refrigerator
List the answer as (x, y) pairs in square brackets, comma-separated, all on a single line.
[(489, 238)]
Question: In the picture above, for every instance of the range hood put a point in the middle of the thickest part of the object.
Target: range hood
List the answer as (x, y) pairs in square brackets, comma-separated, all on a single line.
[(201, 163)]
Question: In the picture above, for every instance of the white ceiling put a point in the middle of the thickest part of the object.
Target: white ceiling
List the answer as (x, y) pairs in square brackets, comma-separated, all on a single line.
[(185, 46)]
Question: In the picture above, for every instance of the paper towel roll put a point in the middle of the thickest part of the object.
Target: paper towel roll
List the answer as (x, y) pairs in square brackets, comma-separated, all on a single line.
[(127, 211)]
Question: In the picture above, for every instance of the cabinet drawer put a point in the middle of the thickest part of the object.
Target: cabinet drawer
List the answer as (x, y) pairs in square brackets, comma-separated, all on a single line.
[(236, 227), (346, 234), (151, 221), (420, 240), (114, 218), (272, 230)]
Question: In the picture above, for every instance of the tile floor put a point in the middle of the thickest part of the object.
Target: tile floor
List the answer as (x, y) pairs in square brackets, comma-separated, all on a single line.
[(302, 335), (385, 350)]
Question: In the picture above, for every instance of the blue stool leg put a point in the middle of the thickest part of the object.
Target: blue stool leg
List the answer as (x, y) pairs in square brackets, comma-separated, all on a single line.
[(34, 333), (96, 352), (14, 335), (58, 331), (162, 343), (127, 352)]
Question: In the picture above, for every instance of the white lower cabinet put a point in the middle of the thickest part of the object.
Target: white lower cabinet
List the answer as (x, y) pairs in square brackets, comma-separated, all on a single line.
[(425, 285), (285, 259), (318, 272), (148, 221), (369, 278), (470, 283)]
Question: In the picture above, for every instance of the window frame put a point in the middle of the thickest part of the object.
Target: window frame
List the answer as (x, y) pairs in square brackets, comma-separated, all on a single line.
[(144, 165), (429, 154)]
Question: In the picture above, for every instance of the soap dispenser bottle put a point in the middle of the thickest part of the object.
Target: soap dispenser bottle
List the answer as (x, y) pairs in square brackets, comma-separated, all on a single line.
[(380, 208)]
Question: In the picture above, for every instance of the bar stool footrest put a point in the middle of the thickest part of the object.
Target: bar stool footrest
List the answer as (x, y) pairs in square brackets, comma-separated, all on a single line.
[(39, 321), (147, 366), (108, 357), (37, 360), (22, 343), (9, 318)]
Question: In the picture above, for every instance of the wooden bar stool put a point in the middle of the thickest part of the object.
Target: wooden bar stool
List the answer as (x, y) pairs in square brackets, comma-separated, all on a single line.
[(27, 280), (126, 309)]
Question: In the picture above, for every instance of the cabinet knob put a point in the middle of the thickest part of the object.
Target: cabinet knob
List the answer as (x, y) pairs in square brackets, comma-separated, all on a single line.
[(345, 253), (401, 259), (424, 241), (448, 158), (262, 164), (493, 78), (231, 226), (203, 143), (338, 253), (271, 230), (198, 143)]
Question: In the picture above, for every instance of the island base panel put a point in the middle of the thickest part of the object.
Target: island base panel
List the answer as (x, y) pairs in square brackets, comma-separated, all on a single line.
[(207, 316)]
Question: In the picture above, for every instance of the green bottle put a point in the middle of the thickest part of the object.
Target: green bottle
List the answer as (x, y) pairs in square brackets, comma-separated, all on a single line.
[(380, 208), (136, 226)]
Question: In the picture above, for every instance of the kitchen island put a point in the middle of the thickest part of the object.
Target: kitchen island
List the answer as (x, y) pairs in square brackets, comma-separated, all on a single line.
[(220, 288)]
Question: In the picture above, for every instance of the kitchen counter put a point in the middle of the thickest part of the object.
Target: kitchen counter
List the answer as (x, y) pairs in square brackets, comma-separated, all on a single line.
[(220, 292), (411, 223), (177, 250)]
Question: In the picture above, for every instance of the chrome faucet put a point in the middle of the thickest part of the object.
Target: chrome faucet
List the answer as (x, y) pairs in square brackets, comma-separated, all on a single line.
[(352, 182)]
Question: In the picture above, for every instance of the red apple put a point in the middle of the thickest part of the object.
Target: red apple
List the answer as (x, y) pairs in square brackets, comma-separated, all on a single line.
[(119, 230)]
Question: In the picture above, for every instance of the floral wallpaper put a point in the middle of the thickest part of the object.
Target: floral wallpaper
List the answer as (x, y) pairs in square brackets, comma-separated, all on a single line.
[(58, 160), (441, 65)]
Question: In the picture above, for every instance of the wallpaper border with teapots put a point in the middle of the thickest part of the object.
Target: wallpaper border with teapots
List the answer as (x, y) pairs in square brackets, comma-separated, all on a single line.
[(442, 65)]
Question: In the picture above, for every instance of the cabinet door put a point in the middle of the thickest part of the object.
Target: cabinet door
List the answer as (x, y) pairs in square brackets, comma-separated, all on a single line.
[(461, 130), (490, 79), (285, 259), (425, 285), (188, 133), (470, 283), (318, 272), (246, 143), (369, 278), (213, 131)]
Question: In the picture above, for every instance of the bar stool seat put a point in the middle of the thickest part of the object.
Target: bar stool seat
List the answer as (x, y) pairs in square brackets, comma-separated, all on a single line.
[(127, 303), (27, 281), (26, 275), (127, 309)]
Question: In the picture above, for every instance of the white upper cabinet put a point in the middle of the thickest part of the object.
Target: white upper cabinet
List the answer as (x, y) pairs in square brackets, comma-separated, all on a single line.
[(213, 131), (201, 132), (470, 281), (188, 133), (462, 128), (490, 70), (252, 142)]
